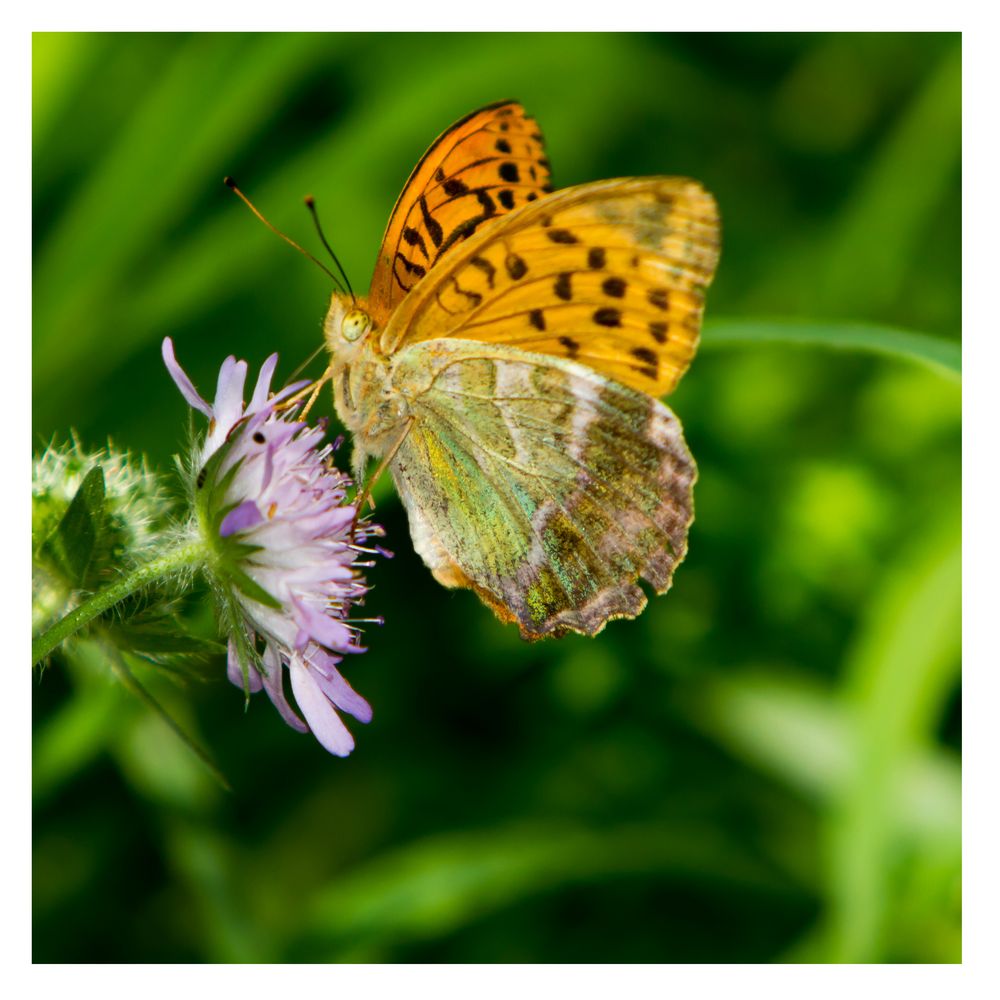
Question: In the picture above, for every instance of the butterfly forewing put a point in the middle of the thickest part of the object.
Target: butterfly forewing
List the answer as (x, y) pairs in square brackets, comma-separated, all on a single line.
[(547, 488), (611, 274), (482, 168)]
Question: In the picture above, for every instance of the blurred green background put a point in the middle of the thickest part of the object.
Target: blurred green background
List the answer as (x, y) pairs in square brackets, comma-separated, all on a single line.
[(764, 766)]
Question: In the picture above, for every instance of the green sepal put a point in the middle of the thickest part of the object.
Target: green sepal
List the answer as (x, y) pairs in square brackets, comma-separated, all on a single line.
[(250, 588), (72, 544), (215, 491), (211, 489), (246, 654)]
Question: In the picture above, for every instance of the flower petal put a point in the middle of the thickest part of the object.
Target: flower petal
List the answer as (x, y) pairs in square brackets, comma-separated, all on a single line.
[(235, 673), (290, 390), (242, 517), (181, 380), (336, 688), (326, 726), (325, 631), (263, 386), (268, 467), (229, 394), (275, 688)]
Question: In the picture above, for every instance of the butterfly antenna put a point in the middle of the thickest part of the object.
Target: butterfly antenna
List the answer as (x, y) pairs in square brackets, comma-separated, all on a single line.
[(311, 205), (305, 364), (231, 184)]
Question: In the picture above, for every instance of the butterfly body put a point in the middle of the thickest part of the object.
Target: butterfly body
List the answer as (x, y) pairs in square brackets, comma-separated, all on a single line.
[(366, 401), (506, 365)]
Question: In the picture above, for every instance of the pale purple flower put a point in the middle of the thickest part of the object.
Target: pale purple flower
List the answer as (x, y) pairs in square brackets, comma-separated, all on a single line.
[(282, 520)]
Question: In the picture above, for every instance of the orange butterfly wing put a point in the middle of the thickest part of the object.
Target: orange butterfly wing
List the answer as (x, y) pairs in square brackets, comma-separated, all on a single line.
[(484, 166), (611, 274)]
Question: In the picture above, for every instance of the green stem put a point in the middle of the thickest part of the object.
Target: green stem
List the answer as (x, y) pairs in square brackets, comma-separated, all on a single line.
[(188, 554)]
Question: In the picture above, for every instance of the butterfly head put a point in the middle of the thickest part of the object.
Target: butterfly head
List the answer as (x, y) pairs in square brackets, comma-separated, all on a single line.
[(347, 328), (355, 325)]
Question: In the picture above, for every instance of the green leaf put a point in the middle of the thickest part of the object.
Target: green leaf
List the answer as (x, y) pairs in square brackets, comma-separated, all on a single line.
[(940, 355), (121, 668), (71, 546), (432, 887), (163, 638)]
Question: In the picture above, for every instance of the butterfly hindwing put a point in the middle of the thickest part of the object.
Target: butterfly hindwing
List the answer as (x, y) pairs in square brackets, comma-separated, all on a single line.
[(542, 485), (484, 166), (611, 274)]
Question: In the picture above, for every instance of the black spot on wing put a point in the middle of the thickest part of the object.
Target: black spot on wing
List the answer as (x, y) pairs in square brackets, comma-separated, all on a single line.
[(486, 267), (414, 239), (468, 226), (433, 227), (516, 266), (608, 317), (649, 359), (572, 346), (659, 297), (411, 269), (474, 297), (410, 266)]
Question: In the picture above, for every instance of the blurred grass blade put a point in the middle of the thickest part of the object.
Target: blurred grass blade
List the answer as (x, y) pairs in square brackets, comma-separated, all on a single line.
[(60, 62), (940, 355), (217, 885), (790, 727), (74, 736), (436, 886), (872, 246), (899, 672)]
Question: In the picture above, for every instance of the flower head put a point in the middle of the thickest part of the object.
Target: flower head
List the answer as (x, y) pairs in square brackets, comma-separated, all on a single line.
[(284, 545)]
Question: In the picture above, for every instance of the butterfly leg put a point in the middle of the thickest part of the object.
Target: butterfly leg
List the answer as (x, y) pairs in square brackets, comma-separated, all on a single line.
[(312, 390), (320, 382)]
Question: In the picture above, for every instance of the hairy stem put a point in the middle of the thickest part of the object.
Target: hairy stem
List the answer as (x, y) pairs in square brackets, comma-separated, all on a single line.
[(187, 555)]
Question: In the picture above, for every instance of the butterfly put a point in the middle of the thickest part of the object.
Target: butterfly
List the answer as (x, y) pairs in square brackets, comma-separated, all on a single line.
[(505, 367)]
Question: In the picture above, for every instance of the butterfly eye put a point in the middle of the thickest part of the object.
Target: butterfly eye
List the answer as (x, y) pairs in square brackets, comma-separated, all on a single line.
[(356, 324)]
